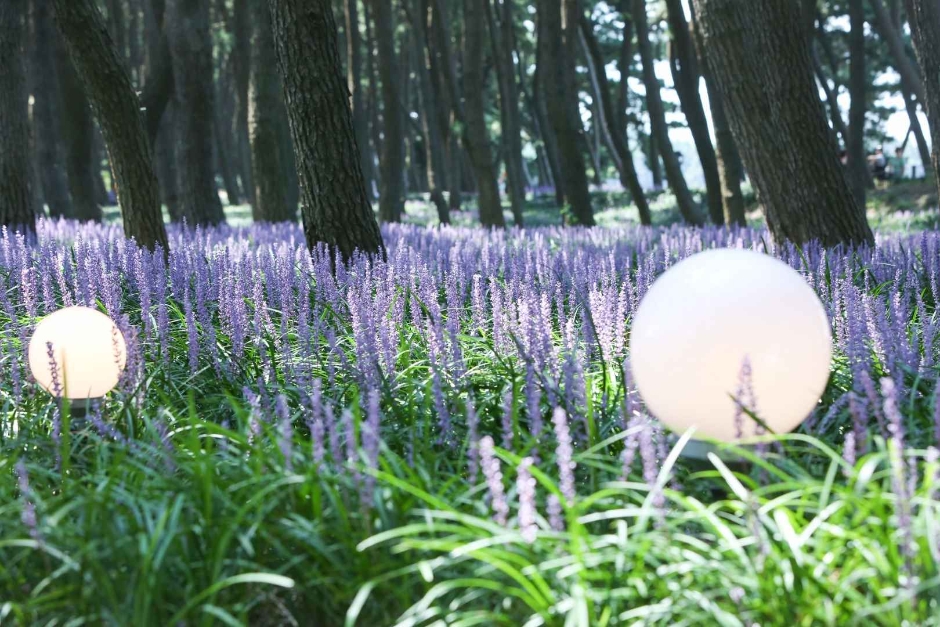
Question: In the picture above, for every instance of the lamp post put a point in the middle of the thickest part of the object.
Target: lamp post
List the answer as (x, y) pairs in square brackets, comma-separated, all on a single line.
[(707, 316), (77, 354)]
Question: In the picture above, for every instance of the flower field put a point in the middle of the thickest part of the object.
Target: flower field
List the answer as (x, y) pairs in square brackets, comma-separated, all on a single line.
[(451, 436)]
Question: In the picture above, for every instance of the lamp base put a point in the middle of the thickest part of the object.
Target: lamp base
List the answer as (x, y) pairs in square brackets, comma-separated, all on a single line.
[(79, 408)]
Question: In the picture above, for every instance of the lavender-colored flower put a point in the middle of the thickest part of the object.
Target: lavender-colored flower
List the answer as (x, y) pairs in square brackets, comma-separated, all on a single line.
[(473, 447), (556, 518), (564, 454), (525, 488), (494, 480), (507, 419), (285, 430), (28, 515)]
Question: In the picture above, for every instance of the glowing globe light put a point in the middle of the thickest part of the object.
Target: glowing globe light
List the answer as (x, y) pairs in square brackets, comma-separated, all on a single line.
[(88, 351), (712, 313)]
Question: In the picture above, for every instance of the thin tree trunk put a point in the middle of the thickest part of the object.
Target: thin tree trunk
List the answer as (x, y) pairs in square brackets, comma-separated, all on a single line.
[(271, 204), (546, 132), (499, 18), (242, 12), (46, 113), (687, 76), (835, 113), (354, 77), (117, 109), (910, 76), (614, 133), (655, 165), (16, 195), (191, 51), (225, 158), (335, 206), (858, 84), (158, 89), (924, 19), (557, 37), (165, 164), (654, 104), (763, 72)]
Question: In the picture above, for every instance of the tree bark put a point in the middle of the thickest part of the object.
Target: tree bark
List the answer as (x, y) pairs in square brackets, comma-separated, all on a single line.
[(16, 206), (500, 21), (158, 88), (835, 113), (335, 206), (546, 132), (614, 133), (654, 105), (476, 134), (763, 73), (46, 113), (191, 51), (686, 76), (910, 76), (557, 37), (924, 19), (858, 86), (165, 164), (392, 195), (270, 204)]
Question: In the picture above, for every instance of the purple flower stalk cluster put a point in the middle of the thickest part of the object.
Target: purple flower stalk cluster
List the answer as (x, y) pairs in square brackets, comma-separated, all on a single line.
[(494, 480)]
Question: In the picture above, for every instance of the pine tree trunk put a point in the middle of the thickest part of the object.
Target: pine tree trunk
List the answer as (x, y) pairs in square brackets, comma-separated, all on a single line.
[(46, 113), (686, 76), (476, 134), (16, 195), (165, 164), (546, 132), (499, 19), (117, 109), (158, 87), (392, 196), (763, 72), (615, 135), (354, 77), (924, 19), (191, 51), (242, 15), (892, 36), (654, 105), (858, 84), (430, 120), (557, 37), (335, 206), (270, 193)]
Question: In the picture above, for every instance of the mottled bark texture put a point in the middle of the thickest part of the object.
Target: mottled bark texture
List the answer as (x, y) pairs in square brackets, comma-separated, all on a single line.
[(392, 161), (477, 137), (557, 40), (191, 51), (46, 114), (243, 15), (859, 176), (924, 19), (117, 109), (659, 129), (354, 77), (158, 88), (334, 204), (763, 73), (270, 194), (16, 195)]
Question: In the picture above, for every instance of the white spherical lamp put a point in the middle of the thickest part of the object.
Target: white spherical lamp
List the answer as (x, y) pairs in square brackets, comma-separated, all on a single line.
[(77, 353), (707, 316)]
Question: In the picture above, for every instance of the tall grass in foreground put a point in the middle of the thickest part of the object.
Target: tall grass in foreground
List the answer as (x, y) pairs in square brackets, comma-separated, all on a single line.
[(451, 436)]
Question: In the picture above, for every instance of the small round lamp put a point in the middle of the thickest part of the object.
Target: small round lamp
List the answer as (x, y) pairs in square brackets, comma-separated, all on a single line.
[(707, 316), (87, 354)]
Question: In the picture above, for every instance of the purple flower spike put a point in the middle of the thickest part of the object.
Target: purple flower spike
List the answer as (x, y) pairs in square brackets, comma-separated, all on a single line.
[(564, 454), (525, 487), (494, 480)]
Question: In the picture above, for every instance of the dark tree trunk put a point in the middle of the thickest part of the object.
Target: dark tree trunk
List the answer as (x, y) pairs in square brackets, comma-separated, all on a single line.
[(656, 169), (158, 88), (16, 195), (858, 84), (882, 21), (134, 40), (763, 73), (242, 12), (500, 20), (654, 105), (924, 19), (354, 77), (117, 109), (271, 204), (614, 133), (372, 105), (165, 164), (335, 207), (686, 76), (392, 196), (46, 114), (476, 135), (557, 37), (546, 132), (730, 169), (835, 112), (78, 131), (431, 118), (225, 157), (191, 51)]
